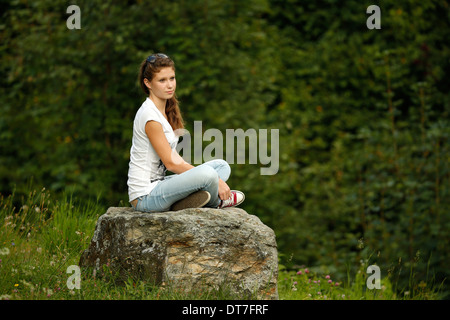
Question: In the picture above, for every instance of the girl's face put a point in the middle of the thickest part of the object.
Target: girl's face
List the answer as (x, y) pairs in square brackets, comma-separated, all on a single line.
[(163, 84)]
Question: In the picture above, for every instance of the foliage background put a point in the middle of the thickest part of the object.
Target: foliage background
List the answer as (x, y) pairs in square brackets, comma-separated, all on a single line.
[(363, 114)]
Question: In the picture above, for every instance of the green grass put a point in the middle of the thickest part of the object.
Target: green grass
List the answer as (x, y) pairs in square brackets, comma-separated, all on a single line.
[(41, 237), (318, 286)]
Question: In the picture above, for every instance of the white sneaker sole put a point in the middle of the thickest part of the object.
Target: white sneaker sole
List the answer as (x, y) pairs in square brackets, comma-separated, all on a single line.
[(237, 203)]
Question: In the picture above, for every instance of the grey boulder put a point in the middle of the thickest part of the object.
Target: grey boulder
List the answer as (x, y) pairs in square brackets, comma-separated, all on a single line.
[(188, 248)]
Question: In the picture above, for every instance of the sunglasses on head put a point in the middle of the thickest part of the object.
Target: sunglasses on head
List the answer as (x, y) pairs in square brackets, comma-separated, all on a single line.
[(153, 57)]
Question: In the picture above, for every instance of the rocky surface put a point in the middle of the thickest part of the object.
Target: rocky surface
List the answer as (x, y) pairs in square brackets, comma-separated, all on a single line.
[(188, 248)]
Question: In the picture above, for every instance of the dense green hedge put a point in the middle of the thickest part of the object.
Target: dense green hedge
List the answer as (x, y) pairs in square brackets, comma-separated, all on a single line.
[(363, 115)]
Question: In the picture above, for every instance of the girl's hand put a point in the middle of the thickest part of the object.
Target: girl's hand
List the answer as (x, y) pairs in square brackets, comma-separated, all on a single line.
[(224, 190)]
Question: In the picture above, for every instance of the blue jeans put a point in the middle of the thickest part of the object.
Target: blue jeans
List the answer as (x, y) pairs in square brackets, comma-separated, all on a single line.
[(179, 186)]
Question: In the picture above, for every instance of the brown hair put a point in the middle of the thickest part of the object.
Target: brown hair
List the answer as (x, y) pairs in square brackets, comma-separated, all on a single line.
[(148, 70)]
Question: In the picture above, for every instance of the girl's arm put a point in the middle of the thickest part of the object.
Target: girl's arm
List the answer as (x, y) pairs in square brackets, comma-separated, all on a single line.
[(171, 159)]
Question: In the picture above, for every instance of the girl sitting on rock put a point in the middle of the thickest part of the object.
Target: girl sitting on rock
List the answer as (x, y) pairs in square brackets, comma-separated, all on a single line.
[(153, 152)]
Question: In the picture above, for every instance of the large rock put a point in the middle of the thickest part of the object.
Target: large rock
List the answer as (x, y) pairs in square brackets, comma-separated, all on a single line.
[(188, 248)]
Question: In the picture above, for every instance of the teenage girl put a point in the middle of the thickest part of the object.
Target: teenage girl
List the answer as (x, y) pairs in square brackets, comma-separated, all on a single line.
[(153, 152)]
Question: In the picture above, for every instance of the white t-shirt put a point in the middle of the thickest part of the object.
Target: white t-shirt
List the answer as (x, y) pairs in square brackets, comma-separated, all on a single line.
[(146, 168)]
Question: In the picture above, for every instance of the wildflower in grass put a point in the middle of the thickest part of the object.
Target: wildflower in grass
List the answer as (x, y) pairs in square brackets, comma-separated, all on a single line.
[(306, 270), (293, 287), (330, 281), (27, 285), (49, 292), (4, 251), (299, 272), (327, 276)]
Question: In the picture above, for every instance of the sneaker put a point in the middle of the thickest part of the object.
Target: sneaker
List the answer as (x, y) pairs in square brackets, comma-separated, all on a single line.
[(236, 198), (195, 200)]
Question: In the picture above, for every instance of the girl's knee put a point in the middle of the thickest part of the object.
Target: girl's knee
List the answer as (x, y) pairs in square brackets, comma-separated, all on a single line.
[(209, 175), (224, 170), (222, 167), (224, 164)]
